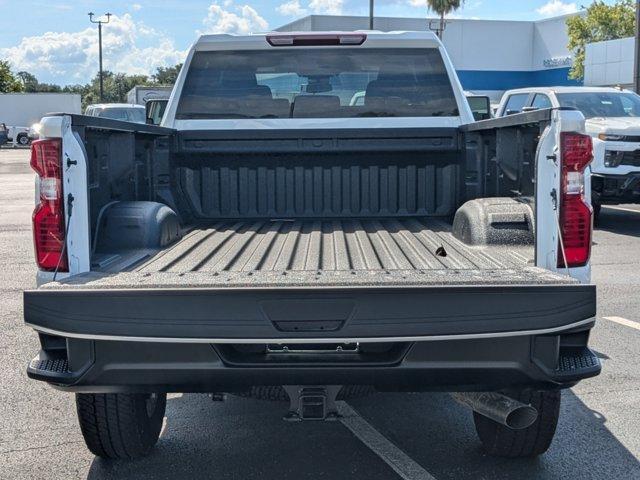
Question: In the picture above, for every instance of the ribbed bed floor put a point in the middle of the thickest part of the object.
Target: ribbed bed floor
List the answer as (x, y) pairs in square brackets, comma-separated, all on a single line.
[(318, 253), (333, 245)]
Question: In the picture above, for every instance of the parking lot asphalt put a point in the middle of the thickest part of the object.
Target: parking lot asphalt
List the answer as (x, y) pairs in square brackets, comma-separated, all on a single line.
[(385, 436)]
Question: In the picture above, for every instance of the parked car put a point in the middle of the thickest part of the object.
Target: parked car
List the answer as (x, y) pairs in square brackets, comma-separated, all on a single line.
[(4, 134), (19, 136), (312, 250), (118, 111), (613, 121)]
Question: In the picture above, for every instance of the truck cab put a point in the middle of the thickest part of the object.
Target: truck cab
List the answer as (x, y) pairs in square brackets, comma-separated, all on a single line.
[(274, 239), (613, 122)]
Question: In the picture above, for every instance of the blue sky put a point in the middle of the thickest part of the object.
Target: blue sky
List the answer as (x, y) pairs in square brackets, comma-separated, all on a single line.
[(53, 40)]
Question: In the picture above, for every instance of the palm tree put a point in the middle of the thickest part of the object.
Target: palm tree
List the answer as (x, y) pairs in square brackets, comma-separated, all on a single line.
[(442, 8)]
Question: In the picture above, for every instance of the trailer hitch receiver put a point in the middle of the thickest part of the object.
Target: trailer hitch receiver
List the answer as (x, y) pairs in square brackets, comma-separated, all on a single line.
[(312, 402)]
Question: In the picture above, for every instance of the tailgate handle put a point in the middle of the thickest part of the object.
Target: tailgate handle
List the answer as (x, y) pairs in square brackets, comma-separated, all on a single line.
[(308, 314)]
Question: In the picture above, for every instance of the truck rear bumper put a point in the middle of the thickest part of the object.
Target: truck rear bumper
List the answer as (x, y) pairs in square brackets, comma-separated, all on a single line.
[(409, 338), (545, 361)]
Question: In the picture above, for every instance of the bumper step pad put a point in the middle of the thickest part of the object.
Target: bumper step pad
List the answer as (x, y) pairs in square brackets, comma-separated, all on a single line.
[(51, 369), (59, 366), (578, 363)]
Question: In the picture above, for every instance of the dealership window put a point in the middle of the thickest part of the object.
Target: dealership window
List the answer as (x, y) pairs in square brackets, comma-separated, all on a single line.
[(516, 103)]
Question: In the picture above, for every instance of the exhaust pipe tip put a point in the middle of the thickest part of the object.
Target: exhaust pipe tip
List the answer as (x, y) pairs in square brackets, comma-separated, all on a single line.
[(504, 410), (521, 417)]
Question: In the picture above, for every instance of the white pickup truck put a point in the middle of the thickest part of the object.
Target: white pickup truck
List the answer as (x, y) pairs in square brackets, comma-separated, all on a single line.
[(612, 120), (274, 239)]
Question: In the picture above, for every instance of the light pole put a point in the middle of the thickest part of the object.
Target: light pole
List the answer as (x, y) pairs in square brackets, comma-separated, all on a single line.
[(100, 23), (636, 67), (370, 14)]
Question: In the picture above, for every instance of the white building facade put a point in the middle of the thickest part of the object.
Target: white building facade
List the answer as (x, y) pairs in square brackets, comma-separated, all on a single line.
[(610, 64), (490, 56)]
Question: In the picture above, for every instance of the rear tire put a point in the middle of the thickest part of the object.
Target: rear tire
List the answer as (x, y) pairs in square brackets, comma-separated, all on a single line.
[(120, 426), (532, 441), (23, 139), (597, 208)]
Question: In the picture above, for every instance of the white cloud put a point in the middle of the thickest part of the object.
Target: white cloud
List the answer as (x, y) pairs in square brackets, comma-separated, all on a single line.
[(554, 8), (72, 57), (322, 7), (136, 7), (243, 19), (328, 7), (291, 8)]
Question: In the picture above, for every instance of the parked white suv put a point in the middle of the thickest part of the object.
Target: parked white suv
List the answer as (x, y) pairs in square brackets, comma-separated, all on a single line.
[(613, 121)]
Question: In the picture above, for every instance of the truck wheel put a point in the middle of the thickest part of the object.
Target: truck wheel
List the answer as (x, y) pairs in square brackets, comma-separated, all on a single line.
[(532, 441), (119, 425), (596, 213), (23, 139)]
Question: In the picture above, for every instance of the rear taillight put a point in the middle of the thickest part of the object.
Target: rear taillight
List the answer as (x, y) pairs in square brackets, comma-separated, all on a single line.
[(48, 216), (575, 213)]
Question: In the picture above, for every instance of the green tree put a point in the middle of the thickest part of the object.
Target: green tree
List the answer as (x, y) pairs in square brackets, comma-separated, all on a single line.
[(29, 81), (167, 75), (8, 81), (32, 85), (48, 88), (443, 8), (122, 83), (602, 22), (116, 87)]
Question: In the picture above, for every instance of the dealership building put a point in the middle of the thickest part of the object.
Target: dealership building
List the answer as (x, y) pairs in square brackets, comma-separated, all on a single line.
[(491, 56)]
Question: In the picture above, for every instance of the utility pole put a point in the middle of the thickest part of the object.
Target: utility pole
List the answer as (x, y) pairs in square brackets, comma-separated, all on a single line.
[(100, 23), (371, 14), (636, 66)]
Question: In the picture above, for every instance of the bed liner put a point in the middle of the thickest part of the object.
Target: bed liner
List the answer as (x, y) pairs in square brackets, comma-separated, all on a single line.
[(340, 253)]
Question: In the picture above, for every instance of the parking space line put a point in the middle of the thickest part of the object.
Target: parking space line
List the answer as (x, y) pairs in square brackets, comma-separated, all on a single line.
[(623, 209), (624, 321), (400, 462)]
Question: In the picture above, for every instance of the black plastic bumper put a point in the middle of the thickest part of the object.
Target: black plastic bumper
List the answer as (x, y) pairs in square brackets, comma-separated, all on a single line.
[(615, 189), (535, 361)]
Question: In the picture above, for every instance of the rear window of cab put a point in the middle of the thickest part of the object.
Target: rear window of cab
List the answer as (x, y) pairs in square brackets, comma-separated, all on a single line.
[(323, 83)]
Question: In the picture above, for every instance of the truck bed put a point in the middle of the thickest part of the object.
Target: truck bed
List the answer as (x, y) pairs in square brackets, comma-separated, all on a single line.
[(272, 253)]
